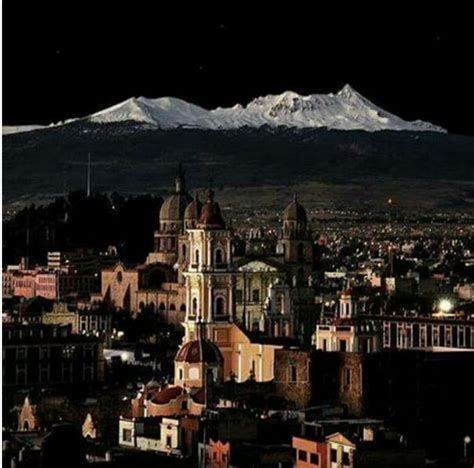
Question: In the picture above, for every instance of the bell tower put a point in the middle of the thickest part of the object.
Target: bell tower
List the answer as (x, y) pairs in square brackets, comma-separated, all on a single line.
[(296, 242), (209, 275)]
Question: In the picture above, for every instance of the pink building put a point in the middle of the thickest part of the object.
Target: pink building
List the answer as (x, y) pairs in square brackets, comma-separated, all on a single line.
[(24, 284), (47, 285)]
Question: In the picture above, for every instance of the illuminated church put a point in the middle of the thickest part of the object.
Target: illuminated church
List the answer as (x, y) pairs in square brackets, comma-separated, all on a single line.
[(248, 306)]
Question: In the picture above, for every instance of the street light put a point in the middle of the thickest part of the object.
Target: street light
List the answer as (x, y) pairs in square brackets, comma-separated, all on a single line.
[(445, 305), (467, 441)]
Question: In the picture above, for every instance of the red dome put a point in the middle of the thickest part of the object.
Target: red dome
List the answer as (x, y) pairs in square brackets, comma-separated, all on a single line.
[(211, 214), (199, 351), (193, 210)]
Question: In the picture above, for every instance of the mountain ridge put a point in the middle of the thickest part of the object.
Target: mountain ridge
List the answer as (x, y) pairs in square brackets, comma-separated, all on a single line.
[(345, 110)]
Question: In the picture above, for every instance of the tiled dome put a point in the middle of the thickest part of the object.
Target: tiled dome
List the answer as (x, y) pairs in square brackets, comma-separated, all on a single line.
[(199, 351)]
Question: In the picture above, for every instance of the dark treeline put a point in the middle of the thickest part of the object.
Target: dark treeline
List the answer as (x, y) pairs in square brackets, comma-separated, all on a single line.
[(78, 221)]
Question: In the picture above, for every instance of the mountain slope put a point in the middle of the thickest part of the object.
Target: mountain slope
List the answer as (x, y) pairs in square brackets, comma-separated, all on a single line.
[(132, 157)]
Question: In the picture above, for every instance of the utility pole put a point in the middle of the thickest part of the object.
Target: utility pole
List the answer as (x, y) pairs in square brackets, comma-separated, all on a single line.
[(88, 175)]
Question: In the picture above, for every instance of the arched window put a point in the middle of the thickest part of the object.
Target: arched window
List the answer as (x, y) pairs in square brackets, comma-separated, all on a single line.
[(196, 257), (300, 276), (183, 251), (162, 306), (183, 308), (219, 306), (195, 306), (300, 252), (172, 307), (218, 256)]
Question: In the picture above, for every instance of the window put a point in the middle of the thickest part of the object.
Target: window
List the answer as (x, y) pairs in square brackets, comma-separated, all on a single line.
[(325, 344), (238, 296), (184, 405), (333, 455), (293, 374), (220, 306), (88, 374), (345, 459), (44, 353), (196, 257), (302, 455), (343, 345), (193, 373), (195, 306), (127, 435), (168, 441), (44, 373), (218, 257), (88, 352), (347, 378), (300, 276), (183, 251), (300, 252), (314, 458), (180, 374), (255, 295)]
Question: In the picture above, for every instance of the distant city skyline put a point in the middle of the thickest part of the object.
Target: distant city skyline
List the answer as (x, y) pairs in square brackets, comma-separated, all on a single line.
[(413, 62)]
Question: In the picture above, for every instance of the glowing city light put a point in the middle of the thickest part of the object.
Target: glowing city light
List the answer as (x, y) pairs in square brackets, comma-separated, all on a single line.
[(445, 305)]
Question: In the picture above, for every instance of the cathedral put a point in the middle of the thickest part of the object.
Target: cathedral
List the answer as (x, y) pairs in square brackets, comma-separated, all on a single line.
[(247, 305)]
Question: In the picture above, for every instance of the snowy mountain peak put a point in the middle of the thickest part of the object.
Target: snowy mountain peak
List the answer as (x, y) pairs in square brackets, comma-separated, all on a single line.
[(347, 91), (345, 110)]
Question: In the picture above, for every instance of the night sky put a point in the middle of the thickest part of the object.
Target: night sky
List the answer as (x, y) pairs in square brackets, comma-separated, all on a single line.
[(71, 59)]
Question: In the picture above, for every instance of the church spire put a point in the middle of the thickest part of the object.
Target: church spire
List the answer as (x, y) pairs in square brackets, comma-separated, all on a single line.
[(180, 182)]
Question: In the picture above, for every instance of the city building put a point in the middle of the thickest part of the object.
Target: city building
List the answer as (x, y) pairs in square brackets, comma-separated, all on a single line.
[(44, 355)]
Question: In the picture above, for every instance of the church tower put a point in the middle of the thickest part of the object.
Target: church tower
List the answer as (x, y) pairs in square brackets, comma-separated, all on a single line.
[(209, 278), (166, 239), (296, 242)]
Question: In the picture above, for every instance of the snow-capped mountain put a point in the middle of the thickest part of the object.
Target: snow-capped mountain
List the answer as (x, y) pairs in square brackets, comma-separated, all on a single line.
[(345, 110)]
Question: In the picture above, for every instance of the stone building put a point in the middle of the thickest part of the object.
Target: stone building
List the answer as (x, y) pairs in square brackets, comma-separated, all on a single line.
[(46, 355), (253, 278), (165, 418), (153, 287), (346, 332), (293, 376)]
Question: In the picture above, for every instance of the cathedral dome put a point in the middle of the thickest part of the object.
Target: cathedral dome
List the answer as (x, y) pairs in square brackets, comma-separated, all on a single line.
[(193, 210), (295, 211), (211, 214), (174, 206), (200, 350)]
